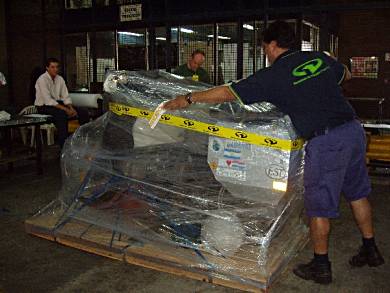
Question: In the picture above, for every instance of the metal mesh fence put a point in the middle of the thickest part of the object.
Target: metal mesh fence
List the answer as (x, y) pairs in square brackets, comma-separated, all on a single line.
[(128, 50), (227, 52), (77, 61), (259, 53), (77, 4), (132, 51), (161, 43), (310, 37), (249, 48), (189, 38), (105, 54)]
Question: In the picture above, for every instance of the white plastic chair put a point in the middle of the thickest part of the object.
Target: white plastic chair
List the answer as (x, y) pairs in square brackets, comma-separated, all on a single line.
[(49, 128)]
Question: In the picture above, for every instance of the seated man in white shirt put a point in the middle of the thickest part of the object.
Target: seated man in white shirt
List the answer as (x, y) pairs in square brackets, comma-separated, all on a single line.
[(52, 98)]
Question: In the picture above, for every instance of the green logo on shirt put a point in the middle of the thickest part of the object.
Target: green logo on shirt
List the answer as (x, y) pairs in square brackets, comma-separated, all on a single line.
[(308, 70)]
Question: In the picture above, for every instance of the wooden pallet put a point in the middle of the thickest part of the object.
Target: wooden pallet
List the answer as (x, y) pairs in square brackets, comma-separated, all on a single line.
[(167, 258), (378, 148)]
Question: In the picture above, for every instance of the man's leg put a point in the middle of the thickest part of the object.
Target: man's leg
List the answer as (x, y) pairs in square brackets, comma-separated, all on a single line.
[(60, 120), (356, 188), (319, 232), (82, 115), (323, 179), (368, 253), (362, 212), (318, 269)]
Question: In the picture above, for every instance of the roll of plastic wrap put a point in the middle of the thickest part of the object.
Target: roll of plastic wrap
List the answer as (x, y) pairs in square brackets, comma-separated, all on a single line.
[(223, 233), (85, 100)]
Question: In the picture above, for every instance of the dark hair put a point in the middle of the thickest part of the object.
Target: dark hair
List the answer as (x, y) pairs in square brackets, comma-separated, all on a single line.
[(51, 60), (196, 52), (280, 32)]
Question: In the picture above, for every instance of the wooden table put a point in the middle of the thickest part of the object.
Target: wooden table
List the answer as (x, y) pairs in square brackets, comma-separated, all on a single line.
[(13, 153)]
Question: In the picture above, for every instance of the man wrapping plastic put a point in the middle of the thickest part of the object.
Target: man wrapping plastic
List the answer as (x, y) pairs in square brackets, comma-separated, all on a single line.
[(306, 86)]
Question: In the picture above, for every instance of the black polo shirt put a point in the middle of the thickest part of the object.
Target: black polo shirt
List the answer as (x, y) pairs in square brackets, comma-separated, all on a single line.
[(304, 85)]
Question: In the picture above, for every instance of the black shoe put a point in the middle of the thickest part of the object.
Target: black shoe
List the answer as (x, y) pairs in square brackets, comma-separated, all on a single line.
[(367, 256), (319, 273)]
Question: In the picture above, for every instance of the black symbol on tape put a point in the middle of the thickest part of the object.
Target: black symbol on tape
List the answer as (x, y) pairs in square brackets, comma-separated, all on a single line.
[(270, 141), (295, 144), (189, 123), (213, 128), (241, 134), (165, 117), (127, 109), (144, 113)]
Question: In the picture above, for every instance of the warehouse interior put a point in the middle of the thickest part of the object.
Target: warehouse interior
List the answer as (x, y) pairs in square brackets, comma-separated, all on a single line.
[(95, 40)]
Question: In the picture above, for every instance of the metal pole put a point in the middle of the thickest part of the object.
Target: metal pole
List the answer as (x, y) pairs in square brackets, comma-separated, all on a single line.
[(240, 49), (152, 48), (266, 19), (215, 53), (254, 36), (168, 48), (116, 50), (299, 35), (10, 55), (44, 31)]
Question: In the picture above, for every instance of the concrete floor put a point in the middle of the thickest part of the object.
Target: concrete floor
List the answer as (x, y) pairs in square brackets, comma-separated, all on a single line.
[(29, 264)]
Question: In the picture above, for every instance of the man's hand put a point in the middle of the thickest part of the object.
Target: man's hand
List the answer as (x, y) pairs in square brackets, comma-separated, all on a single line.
[(66, 109), (68, 112), (72, 111), (178, 103)]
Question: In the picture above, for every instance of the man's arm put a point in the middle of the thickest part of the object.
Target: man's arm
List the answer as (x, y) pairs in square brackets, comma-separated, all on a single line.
[(347, 73), (215, 95), (3, 81), (64, 94), (340, 70)]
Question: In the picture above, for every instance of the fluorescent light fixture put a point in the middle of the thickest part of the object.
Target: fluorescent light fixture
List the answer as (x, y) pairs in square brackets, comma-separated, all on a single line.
[(161, 38), (130, 34), (248, 26), (219, 37), (184, 30), (278, 185)]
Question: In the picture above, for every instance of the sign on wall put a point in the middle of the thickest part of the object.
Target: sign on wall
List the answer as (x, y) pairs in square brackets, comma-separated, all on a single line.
[(130, 12), (364, 67)]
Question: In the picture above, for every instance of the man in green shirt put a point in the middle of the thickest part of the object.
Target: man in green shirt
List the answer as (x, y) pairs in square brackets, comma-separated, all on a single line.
[(193, 68)]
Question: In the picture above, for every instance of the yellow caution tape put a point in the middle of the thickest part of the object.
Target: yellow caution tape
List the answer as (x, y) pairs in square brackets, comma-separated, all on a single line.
[(211, 129)]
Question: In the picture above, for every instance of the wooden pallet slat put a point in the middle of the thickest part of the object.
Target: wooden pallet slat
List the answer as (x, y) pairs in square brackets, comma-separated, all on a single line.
[(175, 260)]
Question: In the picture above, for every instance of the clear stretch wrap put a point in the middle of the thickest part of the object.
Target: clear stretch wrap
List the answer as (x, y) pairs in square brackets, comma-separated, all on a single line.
[(218, 204)]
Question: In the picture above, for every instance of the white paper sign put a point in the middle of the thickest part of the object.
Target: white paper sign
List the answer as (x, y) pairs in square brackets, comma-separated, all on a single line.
[(131, 12)]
